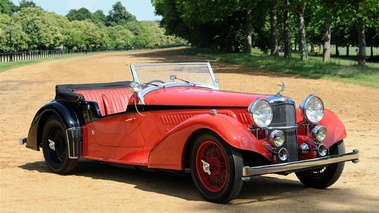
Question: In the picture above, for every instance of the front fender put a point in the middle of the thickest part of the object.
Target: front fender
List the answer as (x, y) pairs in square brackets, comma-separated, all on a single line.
[(335, 127), (168, 153), (67, 116)]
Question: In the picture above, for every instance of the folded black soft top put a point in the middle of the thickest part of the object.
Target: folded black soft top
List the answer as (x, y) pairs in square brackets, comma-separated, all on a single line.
[(66, 92)]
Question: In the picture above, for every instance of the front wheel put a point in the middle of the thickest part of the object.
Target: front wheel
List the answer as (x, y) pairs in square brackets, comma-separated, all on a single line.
[(216, 168), (55, 148), (325, 176)]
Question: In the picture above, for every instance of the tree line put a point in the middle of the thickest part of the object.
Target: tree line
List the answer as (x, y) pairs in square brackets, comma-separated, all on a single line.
[(274, 25), (29, 27)]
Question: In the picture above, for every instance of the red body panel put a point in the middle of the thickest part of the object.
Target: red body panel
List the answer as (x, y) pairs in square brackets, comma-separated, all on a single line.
[(158, 138), (168, 153), (195, 96), (335, 127)]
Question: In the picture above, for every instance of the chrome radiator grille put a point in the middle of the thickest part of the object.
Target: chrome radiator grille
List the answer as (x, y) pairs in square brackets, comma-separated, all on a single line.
[(285, 117)]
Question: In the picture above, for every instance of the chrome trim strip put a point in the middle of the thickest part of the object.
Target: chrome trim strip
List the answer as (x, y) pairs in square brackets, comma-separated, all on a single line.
[(73, 147), (247, 171), (279, 127), (274, 127)]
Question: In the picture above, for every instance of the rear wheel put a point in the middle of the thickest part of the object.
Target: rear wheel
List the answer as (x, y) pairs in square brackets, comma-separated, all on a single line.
[(54, 146), (216, 168), (325, 176)]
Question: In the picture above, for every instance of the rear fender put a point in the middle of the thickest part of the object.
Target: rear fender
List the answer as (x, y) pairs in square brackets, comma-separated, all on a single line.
[(67, 116), (169, 152)]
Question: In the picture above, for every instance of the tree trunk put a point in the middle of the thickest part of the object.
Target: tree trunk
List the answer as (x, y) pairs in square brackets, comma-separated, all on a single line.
[(337, 51), (362, 43), (249, 28), (274, 30), (302, 36), (287, 32), (372, 51), (326, 46), (347, 50)]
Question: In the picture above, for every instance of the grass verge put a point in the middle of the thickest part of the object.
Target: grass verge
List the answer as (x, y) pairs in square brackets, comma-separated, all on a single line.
[(337, 69), (11, 65)]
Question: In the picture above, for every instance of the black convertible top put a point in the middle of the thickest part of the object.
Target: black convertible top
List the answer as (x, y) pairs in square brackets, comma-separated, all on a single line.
[(66, 92)]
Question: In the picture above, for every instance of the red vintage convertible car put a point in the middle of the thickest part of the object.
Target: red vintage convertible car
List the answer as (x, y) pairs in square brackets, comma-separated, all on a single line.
[(173, 116)]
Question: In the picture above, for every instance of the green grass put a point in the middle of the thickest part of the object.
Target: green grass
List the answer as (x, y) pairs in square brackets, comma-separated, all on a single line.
[(338, 69), (11, 65)]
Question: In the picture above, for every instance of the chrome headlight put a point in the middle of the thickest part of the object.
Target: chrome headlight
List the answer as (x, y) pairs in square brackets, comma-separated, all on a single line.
[(261, 112), (319, 133), (277, 138), (313, 109)]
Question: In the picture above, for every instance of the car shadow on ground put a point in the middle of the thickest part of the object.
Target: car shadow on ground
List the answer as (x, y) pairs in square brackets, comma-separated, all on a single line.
[(176, 185)]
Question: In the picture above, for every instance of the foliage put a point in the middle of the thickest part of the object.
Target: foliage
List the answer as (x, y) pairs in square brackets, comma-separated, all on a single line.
[(339, 70), (9, 29), (224, 24), (99, 18), (29, 27), (7, 7), (26, 4), (120, 37), (41, 28), (119, 15), (79, 15), (83, 35)]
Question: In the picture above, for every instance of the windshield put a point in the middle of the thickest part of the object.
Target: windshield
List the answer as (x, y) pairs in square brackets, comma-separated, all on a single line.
[(174, 74)]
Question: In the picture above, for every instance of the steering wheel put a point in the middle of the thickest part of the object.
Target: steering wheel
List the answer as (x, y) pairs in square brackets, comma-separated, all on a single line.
[(155, 81)]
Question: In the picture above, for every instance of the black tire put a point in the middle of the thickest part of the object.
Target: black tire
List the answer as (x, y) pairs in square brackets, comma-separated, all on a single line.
[(324, 177), (56, 156), (225, 165)]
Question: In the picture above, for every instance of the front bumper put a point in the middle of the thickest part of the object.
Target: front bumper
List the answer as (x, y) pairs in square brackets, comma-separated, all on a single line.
[(248, 172)]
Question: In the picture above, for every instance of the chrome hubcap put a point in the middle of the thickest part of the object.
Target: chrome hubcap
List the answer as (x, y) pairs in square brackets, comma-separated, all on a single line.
[(51, 144), (206, 167)]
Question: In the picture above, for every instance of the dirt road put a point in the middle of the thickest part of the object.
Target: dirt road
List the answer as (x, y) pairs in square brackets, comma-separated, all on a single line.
[(26, 184)]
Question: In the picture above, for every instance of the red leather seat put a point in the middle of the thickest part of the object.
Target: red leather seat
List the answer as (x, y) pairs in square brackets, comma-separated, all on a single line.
[(110, 101)]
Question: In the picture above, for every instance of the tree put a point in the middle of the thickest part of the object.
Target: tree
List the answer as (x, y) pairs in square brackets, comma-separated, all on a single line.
[(119, 15), (99, 18), (7, 7), (79, 15), (273, 29), (287, 32), (302, 34), (42, 32), (366, 14), (120, 37), (8, 29), (83, 35), (26, 3)]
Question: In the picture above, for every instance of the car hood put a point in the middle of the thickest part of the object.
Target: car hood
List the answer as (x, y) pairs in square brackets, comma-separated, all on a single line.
[(197, 96)]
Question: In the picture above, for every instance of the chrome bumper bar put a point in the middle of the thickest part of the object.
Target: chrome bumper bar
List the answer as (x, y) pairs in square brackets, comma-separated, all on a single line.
[(248, 172)]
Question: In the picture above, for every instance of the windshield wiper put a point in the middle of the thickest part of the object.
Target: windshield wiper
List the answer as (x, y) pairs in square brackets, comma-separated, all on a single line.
[(173, 78)]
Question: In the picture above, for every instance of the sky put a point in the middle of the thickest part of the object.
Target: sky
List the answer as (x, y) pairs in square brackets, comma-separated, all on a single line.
[(142, 9)]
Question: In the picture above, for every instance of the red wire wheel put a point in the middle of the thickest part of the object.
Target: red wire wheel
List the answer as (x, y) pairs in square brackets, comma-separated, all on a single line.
[(211, 153), (216, 168)]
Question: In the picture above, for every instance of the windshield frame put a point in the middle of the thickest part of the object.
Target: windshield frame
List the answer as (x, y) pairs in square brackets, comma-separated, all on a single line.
[(145, 88)]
